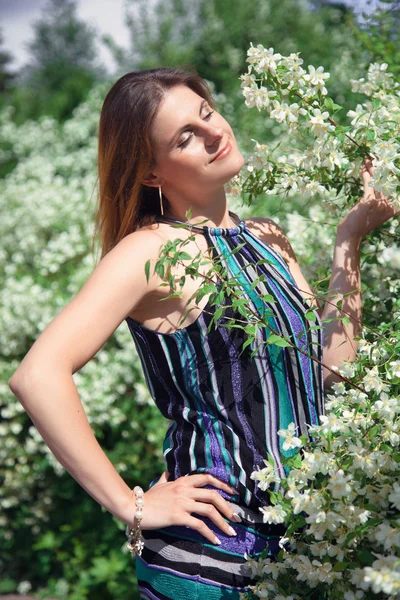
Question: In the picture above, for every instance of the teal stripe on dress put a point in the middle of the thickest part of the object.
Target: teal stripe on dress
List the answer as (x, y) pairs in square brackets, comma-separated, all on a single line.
[(274, 351), (220, 409), (188, 364)]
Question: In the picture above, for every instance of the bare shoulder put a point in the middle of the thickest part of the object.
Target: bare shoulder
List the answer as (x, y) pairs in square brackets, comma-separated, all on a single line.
[(144, 242), (273, 235), (115, 287)]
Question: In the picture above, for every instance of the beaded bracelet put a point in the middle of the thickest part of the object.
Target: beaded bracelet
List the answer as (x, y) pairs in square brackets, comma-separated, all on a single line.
[(135, 542)]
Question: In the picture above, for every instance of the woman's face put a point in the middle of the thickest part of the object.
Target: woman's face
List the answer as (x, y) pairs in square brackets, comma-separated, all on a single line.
[(188, 135)]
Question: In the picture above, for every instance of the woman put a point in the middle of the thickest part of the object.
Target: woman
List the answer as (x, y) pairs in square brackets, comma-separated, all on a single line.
[(163, 150)]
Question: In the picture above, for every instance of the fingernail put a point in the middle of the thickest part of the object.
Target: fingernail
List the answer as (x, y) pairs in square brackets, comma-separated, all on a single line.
[(217, 541), (236, 518), (231, 531)]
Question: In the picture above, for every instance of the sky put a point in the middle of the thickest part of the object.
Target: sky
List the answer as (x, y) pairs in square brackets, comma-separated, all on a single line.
[(17, 17), (107, 16)]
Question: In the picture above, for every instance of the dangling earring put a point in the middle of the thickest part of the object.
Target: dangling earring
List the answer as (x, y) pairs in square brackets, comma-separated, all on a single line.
[(161, 203)]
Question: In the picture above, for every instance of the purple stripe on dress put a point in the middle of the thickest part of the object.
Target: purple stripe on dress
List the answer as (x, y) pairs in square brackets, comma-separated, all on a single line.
[(297, 326), (245, 541), (236, 371)]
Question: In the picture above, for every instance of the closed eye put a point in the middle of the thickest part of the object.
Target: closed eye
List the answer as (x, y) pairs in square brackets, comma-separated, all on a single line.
[(186, 141)]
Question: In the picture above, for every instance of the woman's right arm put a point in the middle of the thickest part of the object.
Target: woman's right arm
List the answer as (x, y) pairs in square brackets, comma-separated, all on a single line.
[(44, 385), (43, 381)]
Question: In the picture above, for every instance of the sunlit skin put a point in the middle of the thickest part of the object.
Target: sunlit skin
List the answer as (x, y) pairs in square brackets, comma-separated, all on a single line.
[(184, 169)]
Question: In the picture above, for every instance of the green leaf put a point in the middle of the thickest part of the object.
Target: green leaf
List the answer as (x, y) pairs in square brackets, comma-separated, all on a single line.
[(372, 507), (277, 340), (159, 269), (184, 256), (386, 448), (370, 134), (218, 313), (246, 343), (173, 295), (147, 270), (329, 104), (273, 497), (268, 298), (340, 566), (373, 431), (311, 316), (365, 557)]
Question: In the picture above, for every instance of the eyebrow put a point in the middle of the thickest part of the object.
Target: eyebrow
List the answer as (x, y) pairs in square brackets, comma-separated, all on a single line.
[(182, 129)]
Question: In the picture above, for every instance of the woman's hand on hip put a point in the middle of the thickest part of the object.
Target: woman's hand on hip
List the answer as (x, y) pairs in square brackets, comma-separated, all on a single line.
[(169, 503)]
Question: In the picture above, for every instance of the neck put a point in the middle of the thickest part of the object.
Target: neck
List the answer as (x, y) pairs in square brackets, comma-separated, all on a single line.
[(213, 215)]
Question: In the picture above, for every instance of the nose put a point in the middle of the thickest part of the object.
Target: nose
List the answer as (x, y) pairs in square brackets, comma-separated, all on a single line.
[(213, 134)]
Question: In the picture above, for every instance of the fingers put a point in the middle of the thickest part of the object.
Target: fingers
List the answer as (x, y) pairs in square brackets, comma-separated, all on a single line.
[(209, 511), (200, 479), (172, 502), (202, 528), (213, 497)]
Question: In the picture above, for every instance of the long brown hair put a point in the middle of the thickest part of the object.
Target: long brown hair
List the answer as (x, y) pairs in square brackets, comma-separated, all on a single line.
[(126, 153)]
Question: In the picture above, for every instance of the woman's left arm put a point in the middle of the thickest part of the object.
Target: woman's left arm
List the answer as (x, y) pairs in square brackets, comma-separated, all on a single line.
[(372, 210)]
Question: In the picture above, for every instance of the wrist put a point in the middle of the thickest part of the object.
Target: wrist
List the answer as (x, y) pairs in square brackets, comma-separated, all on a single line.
[(133, 532), (128, 509)]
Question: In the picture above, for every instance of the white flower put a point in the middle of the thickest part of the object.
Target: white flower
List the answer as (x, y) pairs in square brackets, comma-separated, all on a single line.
[(316, 78), (394, 372), (263, 59), (385, 580), (339, 484), (254, 565), (394, 496), (260, 97), (291, 441), (248, 79), (331, 423), (347, 369), (283, 541), (387, 407), (372, 381), (273, 514), (353, 595), (265, 476), (273, 568), (319, 124)]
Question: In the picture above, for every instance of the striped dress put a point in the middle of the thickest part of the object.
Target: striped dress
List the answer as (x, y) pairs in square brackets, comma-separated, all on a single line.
[(224, 409)]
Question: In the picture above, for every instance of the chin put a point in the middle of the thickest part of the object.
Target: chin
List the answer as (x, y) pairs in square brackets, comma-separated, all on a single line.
[(237, 164)]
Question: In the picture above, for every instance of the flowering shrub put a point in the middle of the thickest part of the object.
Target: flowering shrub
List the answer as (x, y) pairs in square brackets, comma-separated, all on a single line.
[(341, 497), (328, 157), (46, 229)]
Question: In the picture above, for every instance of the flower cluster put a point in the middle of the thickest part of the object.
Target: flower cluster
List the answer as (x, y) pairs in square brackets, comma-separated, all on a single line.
[(340, 500), (322, 156), (341, 496)]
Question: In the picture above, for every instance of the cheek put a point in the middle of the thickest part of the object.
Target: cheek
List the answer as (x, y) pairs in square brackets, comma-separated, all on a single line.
[(190, 157)]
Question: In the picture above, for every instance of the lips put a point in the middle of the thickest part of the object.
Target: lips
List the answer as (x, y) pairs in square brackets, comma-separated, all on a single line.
[(227, 148)]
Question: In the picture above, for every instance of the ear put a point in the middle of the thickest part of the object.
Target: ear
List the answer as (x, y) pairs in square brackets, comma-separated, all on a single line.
[(152, 180)]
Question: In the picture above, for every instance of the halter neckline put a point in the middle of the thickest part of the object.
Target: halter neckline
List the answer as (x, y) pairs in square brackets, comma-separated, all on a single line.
[(225, 231)]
